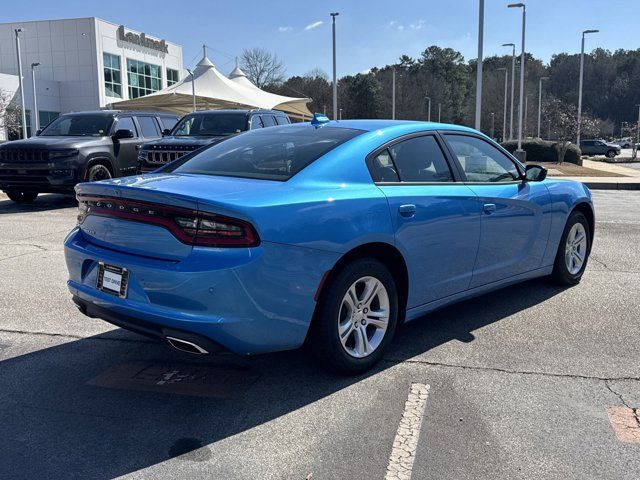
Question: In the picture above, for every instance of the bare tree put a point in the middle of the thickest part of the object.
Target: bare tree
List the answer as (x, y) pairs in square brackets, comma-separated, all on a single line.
[(10, 113), (262, 67), (564, 125)]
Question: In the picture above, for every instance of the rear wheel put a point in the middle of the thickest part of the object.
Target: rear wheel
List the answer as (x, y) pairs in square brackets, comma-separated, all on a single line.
[(611, 153), (98, 172), (573, 251), (356, 317), (21, 196)]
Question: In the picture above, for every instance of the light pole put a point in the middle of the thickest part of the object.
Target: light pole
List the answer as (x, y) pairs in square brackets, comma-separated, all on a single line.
[(35, 101), (540, 101), (526, 108), (193, 88), (429, 108), (335, 81), (439, 111), (635, 144), (504, 115), (20, 83), (580, 84), (513, 82), (340, 115), (393, 94), (521, 154), (479, 66), (493, 117)]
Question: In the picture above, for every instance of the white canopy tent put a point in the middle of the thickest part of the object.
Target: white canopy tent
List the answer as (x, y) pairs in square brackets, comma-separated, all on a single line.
[(215, 91)]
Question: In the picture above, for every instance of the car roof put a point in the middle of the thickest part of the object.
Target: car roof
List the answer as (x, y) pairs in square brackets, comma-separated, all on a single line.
[(239, 111), (408, 126), (121, 112)]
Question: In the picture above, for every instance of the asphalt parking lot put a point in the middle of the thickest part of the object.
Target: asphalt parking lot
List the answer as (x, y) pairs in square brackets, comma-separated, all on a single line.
[(520, 383)]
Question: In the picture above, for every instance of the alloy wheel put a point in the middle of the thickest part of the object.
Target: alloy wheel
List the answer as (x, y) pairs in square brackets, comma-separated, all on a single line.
[(363, 317), (575, 251), (99, 172)]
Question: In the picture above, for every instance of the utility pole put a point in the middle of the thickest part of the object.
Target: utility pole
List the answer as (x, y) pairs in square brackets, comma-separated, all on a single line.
[(478, 124), (540, 101), (580, 84), (335, 80), (20, 83)]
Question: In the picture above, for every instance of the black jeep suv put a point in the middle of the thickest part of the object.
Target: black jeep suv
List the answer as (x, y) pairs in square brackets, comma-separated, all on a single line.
[(77, 147), (203, 128)]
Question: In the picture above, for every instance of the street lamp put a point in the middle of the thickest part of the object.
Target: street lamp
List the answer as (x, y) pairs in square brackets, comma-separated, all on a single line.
[(580, 85), (520, 154), (429, 109), (193, 88), (335, 81), (540, 101), (24, 111), (513, 81), (504, 115), (35, 101), (479, 66)]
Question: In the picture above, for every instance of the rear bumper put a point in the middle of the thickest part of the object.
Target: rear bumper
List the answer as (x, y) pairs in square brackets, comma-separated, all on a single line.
[(247, 301)]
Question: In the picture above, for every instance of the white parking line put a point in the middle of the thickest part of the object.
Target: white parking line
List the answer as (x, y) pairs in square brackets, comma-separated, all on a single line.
[(404, 445)]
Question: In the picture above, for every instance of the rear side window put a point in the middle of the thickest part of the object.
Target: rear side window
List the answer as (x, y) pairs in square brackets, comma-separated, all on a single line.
[(268, 121), (383, 168), (256, 122), (275, 153), (126, 123), (420, 159), (149, 127), (168, 122), (282, 120)]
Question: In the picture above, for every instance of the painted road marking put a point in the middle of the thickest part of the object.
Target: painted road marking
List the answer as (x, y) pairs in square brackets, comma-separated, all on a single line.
[(625, 423), (405, 444)]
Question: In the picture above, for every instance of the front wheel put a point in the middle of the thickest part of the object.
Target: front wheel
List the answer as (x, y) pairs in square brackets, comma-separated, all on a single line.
[(356, 317), (611, 153), (573, 251), (98, 172), (22, 197)]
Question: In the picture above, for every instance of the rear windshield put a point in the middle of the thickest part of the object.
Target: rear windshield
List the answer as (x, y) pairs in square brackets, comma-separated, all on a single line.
[(275, 153), (83, 125), (211, 124)]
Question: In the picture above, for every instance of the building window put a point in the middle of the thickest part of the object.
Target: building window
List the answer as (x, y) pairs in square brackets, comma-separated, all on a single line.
[(112, 75), (173, 76), (143, 78), (44, 117)]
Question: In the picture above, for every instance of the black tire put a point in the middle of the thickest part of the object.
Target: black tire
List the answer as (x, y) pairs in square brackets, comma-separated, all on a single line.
[(324, 338), (561, 273), (21, 196), (611, 153), (98, 172)]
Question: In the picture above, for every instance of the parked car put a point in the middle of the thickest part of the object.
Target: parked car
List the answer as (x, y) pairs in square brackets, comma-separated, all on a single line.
[(329, 233), (77, 147), (599, 147), (202, 128), (624, 142)]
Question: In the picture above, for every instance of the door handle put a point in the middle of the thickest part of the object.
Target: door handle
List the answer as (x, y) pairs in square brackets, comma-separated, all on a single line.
[(489, 208), (407, 211)]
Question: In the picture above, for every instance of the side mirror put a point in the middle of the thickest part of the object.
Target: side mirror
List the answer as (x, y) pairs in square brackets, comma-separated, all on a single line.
[(38, 132), (166, 132), (123, 134), (535, 173)]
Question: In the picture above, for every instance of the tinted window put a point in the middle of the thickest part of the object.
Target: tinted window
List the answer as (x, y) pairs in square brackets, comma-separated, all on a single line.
[(420, 159), (270, 153), (126, 123), (282, 120), (383, 168), (268, 121), (85, 125), (256, 122), (148, 126), (481, 161), (168, 122), (211, 124)]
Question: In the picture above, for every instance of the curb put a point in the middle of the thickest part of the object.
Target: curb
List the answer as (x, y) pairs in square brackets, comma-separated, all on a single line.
[(612, 185)]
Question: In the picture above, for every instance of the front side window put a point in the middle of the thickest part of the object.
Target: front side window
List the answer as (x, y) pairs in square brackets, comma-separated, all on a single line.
[(211, 125), (85, 125), (420, 159), (481, 161), (126, 123), (173, 76), (275, 153), (148, 126), (112, 75), (144, 78)]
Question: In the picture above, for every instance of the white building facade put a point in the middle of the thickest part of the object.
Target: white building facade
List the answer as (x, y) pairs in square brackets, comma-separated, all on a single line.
[(84, 64)]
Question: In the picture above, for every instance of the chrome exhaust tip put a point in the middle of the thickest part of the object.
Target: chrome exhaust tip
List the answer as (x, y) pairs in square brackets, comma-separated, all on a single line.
[(185, 346)]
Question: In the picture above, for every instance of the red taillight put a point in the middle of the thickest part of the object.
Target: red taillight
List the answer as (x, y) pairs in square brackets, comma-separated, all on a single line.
[(188, 226)]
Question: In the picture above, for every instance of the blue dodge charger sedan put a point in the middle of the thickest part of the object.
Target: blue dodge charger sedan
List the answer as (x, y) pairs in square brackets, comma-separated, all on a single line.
[(326, 233)]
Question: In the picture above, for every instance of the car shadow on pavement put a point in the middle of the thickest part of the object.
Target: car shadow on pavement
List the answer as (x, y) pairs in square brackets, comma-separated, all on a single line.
[(55, 424), (44, 202)]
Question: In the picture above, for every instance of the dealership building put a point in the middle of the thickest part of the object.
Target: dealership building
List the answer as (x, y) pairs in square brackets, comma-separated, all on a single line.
[(82, 64)]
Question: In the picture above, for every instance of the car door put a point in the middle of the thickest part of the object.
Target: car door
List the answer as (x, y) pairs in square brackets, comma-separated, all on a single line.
[(436, 216), (126, 149), (515, 214), (587, 147)]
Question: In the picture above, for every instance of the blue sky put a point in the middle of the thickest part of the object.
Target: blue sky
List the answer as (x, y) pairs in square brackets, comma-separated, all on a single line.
[(370, 32)]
